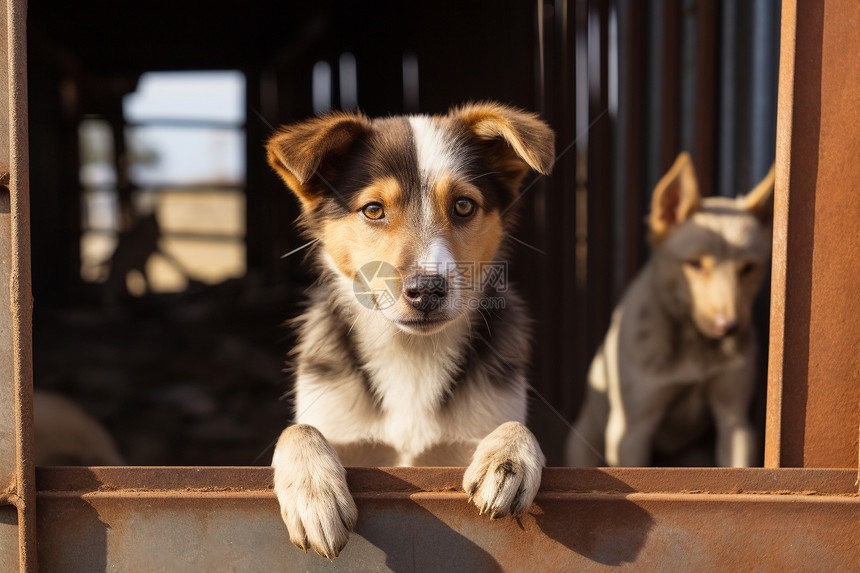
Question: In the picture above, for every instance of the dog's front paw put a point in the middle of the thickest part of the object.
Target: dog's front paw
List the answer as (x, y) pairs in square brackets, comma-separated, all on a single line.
[(310, 483), (505, 472)]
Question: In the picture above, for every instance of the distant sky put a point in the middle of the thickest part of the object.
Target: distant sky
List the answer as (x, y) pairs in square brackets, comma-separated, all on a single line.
[(218, 96), (189, 154)]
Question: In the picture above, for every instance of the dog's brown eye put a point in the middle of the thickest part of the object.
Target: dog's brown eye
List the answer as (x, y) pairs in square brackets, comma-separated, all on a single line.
[(373, 211), (695, 264), (746, 269), (464, 207)]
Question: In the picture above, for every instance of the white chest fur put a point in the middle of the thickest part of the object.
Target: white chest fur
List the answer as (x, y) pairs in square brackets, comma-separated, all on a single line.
[(410, 375)]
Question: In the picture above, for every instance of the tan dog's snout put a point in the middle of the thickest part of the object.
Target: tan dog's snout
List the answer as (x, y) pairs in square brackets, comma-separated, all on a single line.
[(718, 307), (725, 325)]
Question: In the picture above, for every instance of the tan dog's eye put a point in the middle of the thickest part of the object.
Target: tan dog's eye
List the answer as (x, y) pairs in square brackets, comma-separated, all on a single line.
[(695, 264), (464, 207), (373, 211), (746, 269)]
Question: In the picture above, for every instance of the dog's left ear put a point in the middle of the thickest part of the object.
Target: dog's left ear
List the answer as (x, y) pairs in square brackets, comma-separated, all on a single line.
[(759, 201), (675, 197), (516, 140)]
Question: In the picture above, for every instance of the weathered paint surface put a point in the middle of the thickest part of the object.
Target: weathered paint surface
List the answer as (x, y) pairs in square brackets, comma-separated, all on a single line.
[(226, 519)]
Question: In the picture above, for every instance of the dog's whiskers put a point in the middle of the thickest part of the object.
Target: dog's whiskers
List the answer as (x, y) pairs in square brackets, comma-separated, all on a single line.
[(486, 322), (357, 316), (263, 453), (523, 243), (481, 175), (305, 246)]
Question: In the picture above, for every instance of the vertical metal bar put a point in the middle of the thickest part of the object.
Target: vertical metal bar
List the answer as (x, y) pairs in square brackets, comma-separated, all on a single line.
[(631, 130), (813, 408), (670, 104), (653, 31), (761, 87), (599, 177), (564, 190), (555, 212), (707, 22), (576, 213), (688, 52), (728, 98), (16, 456)]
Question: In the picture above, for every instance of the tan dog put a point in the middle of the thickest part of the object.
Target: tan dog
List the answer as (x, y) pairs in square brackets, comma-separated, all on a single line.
[(681, 341)]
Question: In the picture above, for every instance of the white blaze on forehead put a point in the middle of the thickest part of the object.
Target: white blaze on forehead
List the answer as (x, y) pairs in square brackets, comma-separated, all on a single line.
[(435, 149)]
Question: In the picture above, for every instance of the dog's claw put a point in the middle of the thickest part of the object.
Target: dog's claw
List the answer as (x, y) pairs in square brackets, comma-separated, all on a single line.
[(505, 472)]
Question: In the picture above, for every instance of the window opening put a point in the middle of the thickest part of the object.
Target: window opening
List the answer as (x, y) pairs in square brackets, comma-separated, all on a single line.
[(166, 208)]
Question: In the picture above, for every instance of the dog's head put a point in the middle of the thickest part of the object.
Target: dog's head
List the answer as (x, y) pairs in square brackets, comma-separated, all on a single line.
[(712, 253), (412, 209)]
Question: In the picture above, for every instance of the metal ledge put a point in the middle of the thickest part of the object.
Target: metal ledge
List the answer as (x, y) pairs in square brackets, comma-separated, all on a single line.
[(226, 519)]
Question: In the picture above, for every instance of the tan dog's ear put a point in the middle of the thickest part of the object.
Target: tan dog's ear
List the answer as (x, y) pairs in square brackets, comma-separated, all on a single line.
[(759, 201), (517, 140), (675, 197), (297, 152)]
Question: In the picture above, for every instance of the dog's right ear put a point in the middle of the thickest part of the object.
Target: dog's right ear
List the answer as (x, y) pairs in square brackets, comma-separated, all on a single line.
[(300, 151), (759, 201), (675, 198)]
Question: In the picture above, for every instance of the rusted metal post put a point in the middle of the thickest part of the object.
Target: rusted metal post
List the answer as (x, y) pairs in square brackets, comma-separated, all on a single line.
[(814, 370), (17, 473)]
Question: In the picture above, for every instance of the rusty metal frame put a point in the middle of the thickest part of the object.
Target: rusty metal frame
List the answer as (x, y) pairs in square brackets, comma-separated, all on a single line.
[(814, 372), (227, 518), (418, 519), (16, 412)]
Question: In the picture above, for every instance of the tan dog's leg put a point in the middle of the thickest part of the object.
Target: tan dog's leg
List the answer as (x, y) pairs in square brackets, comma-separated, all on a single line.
[(505, 472), (584, 447), (729, 397), (585, 441), (632, 425), (310, 483)]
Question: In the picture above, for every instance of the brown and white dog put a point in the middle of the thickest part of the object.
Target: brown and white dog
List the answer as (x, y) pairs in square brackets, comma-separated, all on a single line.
[(408, 354), (681, 343)]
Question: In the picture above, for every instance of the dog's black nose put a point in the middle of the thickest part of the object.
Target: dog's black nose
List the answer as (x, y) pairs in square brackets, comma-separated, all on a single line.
[(425, 292)]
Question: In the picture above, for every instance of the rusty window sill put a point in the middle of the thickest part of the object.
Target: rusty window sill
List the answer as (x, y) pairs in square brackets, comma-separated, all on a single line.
[(417, 519), (839, 482)]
